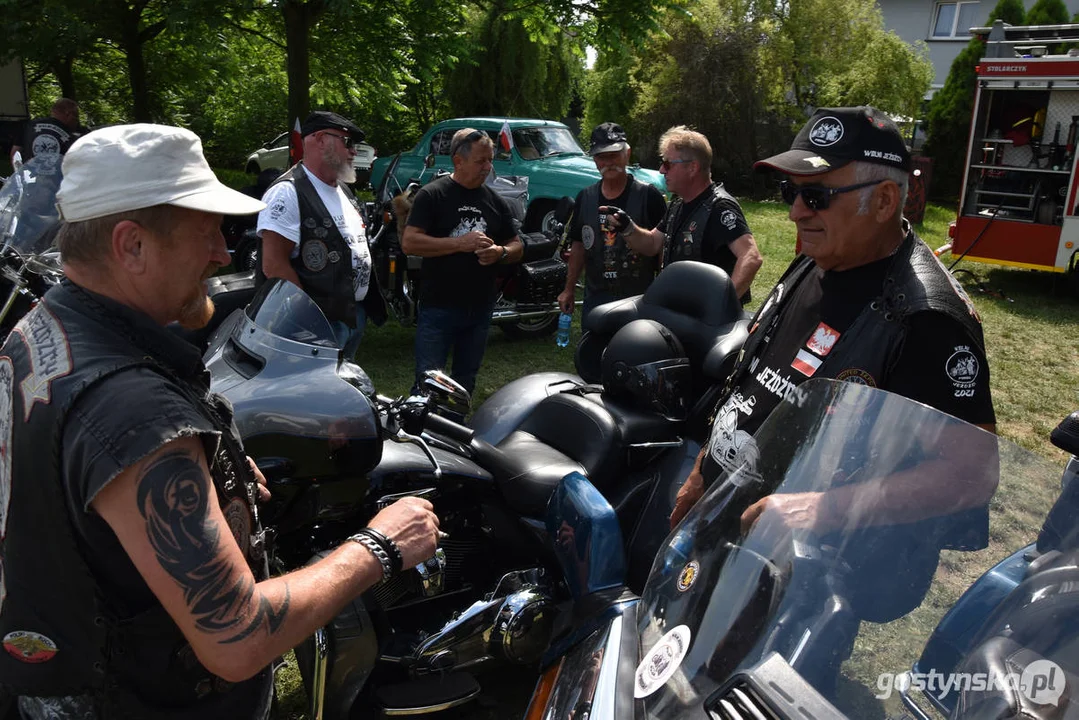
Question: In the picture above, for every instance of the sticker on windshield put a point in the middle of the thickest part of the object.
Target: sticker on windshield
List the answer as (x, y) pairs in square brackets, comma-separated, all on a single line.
[(688, 576), (661, 662)]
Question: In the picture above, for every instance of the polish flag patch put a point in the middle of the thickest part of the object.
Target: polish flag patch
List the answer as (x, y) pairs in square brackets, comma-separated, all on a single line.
[(806, 363), (822, 340)]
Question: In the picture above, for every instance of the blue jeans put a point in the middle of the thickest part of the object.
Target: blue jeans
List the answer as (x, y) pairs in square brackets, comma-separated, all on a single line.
[(348, 339), (464, 329)]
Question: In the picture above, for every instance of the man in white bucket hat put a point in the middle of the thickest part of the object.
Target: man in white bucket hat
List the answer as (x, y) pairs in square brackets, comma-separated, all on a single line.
[(133, 576)]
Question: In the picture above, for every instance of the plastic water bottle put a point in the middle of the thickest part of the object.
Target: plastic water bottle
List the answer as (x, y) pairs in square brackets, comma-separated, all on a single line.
[(562, 337)]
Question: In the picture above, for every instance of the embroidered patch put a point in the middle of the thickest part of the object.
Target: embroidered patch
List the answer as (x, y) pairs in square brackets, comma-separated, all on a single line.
[(50, 357), (962, 369), (309, 223), (817, 161), (334, 256), (822, 340), (314, 255), (327, 223), (29, 647), (688, 576), (693, 225), (729, 219), (826, 131), (588, 237), (660, 663), (239, 519), (806, 363), (857, 376)]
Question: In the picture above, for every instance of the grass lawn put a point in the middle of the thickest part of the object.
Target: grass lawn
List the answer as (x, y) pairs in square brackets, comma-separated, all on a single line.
[(1030, 324)]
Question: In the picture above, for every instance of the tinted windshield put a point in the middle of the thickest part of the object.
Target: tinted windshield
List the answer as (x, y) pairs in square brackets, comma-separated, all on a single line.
[(28, 216), (540, 142), (283, 309), (893, 498)]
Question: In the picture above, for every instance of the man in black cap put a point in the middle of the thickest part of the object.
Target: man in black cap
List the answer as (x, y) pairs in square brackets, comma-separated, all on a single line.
[(869, 303), (313, 235), (612, 270), (704, 223)]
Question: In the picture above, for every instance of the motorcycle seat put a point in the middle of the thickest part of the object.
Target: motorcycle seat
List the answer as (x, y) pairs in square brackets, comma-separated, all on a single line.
[(563, 433), (636, 426)]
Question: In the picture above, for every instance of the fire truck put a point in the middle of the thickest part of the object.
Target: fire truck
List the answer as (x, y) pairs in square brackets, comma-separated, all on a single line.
[(1018, 204)]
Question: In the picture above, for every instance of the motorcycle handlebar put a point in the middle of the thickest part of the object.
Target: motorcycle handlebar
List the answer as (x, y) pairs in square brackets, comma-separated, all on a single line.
[(452, 430)]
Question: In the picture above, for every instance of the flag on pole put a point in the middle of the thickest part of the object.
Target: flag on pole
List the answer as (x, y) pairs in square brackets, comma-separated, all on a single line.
[(295, 144), (505, 137)]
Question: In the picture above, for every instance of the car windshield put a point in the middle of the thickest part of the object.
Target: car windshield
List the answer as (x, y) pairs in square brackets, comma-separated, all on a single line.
[(904, 496), (540, 142), (28, 215), (284, 310)]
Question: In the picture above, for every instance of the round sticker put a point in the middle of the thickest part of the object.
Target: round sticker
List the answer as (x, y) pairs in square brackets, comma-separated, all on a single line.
[(661, 661), (314, 255), (688, 575), (29, 647), (588, 237), (826, 131)]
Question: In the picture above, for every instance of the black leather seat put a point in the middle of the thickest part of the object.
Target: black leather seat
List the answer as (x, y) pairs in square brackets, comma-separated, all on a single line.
[(696, 301), (563, 434)]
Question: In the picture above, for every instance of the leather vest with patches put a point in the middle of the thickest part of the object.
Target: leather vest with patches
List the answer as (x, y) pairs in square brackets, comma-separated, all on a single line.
[(614, 268), (686, 235), (54, 617)]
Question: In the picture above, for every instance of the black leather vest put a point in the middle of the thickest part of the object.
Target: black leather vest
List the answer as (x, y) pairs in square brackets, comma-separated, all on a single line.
[(324, 262), (610, 266), (71, 641), (686, 235), (915, 282)]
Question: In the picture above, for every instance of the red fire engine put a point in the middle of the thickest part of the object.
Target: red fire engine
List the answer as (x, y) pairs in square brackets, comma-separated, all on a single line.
[(1018, 203)]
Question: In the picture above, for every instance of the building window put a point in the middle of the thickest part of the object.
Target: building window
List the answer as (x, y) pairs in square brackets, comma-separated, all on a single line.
[(955, 19)]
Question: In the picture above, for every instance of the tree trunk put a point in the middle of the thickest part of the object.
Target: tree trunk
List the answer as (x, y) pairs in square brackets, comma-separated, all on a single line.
[(131, 42), (66, 77), (298, 18)]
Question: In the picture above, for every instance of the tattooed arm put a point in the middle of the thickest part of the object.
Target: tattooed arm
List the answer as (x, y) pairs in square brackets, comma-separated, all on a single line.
[(165, 512)]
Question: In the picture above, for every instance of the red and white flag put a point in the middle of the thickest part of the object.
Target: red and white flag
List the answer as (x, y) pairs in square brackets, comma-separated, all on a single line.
[(505, 137), (295, 144)]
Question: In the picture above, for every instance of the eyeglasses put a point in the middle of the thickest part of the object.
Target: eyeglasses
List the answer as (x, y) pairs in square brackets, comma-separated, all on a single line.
[(350, 144), (666, 164), (817, 197)]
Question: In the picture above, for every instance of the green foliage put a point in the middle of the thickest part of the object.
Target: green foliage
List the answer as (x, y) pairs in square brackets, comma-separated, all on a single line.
[(1047, 12), (609, 90), (890, 77), (951, 107)]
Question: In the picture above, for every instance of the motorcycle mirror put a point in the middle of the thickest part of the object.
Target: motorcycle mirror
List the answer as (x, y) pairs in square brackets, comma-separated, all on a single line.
[(563, 209), (429, 161), (446, 392)]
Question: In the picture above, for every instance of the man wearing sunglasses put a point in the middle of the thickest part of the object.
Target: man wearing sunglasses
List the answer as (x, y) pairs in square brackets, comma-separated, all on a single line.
[(612, 270), (704, 223), (462, 229), (313, 235)]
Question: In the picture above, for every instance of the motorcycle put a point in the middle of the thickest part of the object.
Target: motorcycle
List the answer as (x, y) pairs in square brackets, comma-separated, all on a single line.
[(29, 264), (526, 303), (334, 452), (761, 620)]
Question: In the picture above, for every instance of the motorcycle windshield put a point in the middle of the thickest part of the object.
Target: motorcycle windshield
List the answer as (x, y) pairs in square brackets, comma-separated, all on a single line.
[(28, 215), (284, 310), (880, 513)]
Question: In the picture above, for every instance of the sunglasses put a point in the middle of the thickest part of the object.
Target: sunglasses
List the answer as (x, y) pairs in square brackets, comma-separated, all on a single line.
[(817, 197), (350, 144), (666, 164), (466, 140)]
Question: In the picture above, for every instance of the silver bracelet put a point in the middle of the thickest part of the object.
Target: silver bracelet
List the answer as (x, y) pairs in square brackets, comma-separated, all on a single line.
[(380, 554)]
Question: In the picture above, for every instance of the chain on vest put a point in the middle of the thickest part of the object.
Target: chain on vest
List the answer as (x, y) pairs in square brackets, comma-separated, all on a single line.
[(609, 265), (61, 637)]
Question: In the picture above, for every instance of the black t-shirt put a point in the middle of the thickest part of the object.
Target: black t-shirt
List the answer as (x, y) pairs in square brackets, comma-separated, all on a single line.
[(655, 206), (47, 135), (725, 224), (825, 305), (445, 209)]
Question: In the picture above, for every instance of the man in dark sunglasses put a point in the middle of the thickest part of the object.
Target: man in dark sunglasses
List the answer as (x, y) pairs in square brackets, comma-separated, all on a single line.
[(313, 234), (704, 223)]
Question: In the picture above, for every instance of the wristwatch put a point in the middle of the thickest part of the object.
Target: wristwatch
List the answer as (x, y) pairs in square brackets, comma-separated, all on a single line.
[(505, 254)]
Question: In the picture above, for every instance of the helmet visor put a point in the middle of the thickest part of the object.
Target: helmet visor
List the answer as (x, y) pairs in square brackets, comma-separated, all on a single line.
[(664, 385)]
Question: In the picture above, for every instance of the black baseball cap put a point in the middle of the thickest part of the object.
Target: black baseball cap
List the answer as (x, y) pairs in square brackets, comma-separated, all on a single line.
[(834, 137), (326, 120), (608, 137)]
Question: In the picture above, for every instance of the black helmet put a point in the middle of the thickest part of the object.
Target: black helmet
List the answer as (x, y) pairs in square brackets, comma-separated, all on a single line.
[(645, 364)]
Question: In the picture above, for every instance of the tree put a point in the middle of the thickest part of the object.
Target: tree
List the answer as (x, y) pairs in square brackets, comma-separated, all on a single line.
[(1047, 12), (951, 107)]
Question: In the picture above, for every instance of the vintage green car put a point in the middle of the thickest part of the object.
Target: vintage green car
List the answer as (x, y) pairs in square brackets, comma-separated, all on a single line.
[(544, 151)]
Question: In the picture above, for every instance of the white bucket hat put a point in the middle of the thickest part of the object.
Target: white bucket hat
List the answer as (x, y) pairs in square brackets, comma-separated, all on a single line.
[(129, 167)]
